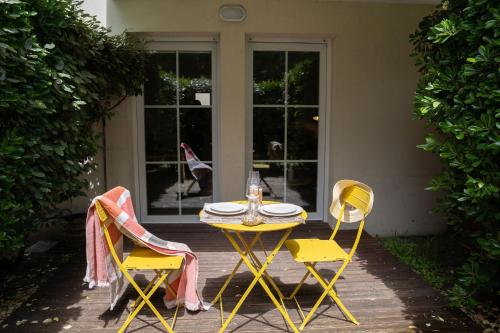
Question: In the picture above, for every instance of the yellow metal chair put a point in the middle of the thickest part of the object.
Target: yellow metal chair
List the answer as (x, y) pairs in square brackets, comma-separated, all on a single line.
[(142, 259), (311, 251)]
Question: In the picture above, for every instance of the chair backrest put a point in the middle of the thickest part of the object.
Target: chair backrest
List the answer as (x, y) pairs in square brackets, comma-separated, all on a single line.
[(103, 218), (359, 198), (356, 196)]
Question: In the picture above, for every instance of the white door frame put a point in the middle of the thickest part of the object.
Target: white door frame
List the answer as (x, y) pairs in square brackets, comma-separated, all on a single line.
[(165, 45), (288, 45)]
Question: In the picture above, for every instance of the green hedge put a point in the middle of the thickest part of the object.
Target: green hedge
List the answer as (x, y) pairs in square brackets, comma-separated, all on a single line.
[(58, 69), (457, 49)]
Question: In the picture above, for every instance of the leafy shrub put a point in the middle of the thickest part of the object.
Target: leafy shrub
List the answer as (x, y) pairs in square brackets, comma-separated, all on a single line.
[(58, 69), (457, 51)]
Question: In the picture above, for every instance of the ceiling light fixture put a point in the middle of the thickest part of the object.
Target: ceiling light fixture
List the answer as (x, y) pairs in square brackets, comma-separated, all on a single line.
[(232, 13)]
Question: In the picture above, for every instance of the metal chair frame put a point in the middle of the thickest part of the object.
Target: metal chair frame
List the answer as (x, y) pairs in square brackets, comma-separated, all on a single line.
[(144, 295), (359, 198)]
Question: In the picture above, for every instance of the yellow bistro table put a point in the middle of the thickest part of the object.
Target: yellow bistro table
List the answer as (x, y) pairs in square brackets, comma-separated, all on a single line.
[(258, 269)]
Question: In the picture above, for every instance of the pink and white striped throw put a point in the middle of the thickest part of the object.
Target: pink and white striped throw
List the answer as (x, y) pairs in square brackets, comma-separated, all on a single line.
[(102, 270)]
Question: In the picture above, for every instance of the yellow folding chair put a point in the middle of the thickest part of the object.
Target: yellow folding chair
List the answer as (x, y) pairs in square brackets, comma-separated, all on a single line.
[(143, 259), (311, 251)]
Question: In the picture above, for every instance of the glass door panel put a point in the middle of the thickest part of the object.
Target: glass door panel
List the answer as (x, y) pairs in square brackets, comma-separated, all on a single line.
[(286, 122), (177, 132)]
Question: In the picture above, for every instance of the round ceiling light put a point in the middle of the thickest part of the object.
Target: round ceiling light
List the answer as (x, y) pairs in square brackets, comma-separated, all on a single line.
[(232, 13)]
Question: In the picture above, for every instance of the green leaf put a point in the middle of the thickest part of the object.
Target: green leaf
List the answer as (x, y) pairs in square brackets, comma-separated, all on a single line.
[(59, 151), (28, 43), (456, 49), (53, 97), (11, 30)]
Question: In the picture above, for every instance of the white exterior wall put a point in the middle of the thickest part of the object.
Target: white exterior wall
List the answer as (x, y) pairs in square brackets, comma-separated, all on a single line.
[(371, 85), (97, 8)]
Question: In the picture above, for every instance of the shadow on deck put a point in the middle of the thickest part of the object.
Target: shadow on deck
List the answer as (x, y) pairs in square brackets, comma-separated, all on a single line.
[(384, 294)]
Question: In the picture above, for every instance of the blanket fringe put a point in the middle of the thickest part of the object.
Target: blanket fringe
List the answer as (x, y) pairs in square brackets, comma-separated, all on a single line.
[(189, 306), (92, 283)]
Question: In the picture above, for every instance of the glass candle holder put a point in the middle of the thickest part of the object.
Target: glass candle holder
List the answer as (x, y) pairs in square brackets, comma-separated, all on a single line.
[(252, 216)]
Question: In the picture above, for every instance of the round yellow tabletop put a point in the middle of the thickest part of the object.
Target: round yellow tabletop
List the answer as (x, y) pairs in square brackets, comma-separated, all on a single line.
[(260, 227)]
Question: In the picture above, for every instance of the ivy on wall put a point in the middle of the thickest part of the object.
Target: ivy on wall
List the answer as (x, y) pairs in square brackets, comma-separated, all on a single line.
[(457, 50), (58, 70)]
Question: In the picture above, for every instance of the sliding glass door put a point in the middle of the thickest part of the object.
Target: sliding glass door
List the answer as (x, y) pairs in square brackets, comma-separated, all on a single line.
[(286, 134), (176, 132)]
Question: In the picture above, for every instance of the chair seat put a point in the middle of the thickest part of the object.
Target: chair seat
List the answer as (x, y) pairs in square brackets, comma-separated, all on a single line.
[(144, 258), (315, 250)]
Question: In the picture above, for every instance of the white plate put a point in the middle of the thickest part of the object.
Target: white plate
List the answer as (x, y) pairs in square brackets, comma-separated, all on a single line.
[(280, 209), (225, 208)]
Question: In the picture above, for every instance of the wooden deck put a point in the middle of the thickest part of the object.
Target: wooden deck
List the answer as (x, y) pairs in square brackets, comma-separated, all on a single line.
[(384, 295)]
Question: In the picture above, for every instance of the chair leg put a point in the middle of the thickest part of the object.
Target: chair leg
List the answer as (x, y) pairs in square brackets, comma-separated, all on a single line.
[(189, 187), (167, 286), (145, 300), (148, 287), (172, 291), (150, 284), (328, 291), (174, 319), (299, 285)]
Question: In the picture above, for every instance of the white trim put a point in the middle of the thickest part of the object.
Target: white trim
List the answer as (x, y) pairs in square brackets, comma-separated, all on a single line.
[(216, 126), (323, 145), (328, 118), (280, 38), (180, 37), (285, 137), (404, 2), (178, 46), (183, 106), (166, 45), (248, 111), (135, 157), (288, 106), (174, 162), (270, 43)]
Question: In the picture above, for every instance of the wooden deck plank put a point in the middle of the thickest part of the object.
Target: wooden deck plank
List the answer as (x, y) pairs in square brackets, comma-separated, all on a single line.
[(385, 295)]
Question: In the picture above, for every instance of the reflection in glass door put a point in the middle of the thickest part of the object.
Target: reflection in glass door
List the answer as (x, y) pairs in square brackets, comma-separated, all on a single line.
[(177, 168), (287, 117)]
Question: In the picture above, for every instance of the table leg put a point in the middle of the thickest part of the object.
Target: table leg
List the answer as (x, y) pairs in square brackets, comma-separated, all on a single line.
[(258, 278), (258, 264), (235, 269)]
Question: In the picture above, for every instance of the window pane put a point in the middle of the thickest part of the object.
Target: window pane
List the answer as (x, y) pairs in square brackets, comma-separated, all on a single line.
[(268, 133), (160, 86), (302, 184), (161, 134), (195, 78), (162, 189), (197, 188), (196, 131), (303, 78), (268, 75), (302, 134), (272, 179)]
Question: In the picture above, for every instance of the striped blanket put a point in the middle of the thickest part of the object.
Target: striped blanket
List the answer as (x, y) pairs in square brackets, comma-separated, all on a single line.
[(102, 270)]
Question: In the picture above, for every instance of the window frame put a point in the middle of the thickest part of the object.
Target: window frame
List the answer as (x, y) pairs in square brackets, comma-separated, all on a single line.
[(211, 46), (255, 44)]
